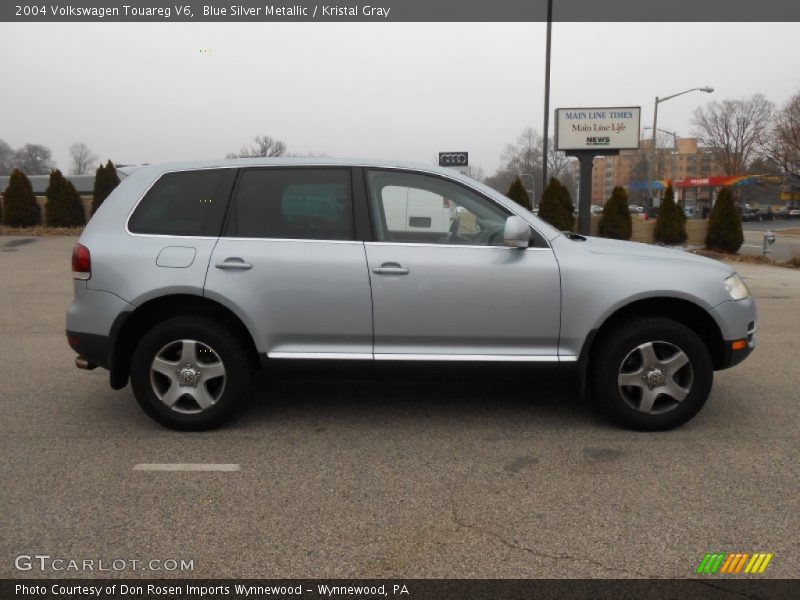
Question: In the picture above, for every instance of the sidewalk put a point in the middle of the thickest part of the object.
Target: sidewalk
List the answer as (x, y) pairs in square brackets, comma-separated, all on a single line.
[(784, 248)]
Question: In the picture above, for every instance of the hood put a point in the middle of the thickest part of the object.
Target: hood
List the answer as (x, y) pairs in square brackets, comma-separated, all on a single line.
[(599, 245)]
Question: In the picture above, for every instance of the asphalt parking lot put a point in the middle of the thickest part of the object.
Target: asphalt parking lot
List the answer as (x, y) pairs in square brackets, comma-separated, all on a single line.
[(390, 476)]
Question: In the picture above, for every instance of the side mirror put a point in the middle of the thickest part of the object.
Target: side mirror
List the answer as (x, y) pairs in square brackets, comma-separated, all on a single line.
[(517, 233)]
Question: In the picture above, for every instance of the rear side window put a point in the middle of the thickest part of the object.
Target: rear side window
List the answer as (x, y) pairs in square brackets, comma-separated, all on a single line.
[(312, 204), (184, 203)]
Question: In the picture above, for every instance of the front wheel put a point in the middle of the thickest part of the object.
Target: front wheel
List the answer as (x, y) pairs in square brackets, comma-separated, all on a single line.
[(190, 373), (652, 373)]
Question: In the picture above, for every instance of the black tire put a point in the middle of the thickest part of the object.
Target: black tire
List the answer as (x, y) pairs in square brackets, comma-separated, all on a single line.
[(620, 356), (219, 346)]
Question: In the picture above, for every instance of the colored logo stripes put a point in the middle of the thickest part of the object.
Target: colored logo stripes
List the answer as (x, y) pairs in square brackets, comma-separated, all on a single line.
[(734, 563)]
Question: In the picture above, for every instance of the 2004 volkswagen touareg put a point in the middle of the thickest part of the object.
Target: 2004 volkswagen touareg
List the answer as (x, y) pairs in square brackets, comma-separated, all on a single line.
[(191, 276)]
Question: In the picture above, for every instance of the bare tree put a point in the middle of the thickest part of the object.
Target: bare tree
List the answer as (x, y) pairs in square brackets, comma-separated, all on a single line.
[(783, 146), (263, 145), (34, 159), (558, 163), (735, 130), (502, 179), (476, 172), (526, 155), (6, 158), (563, 168), (524, 160), (82, 159)]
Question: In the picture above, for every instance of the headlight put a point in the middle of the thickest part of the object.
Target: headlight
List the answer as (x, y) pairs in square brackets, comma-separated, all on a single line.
[(736, 287)]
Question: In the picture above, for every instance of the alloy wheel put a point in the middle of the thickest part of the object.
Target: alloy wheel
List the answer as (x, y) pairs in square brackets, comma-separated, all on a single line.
[(188, 376), (655, 377)]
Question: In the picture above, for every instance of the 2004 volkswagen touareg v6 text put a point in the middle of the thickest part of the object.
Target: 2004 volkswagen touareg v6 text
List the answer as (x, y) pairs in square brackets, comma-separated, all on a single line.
[(190, 276)]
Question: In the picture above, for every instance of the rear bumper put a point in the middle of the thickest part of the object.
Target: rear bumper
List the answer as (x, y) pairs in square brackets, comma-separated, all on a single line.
[(93, 347), (93, 321)]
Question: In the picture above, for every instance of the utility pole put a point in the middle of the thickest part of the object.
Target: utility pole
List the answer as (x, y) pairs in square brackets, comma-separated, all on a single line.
[(545, 142)]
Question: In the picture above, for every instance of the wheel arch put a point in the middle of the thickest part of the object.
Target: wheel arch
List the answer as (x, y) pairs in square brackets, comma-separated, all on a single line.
[(131, 326), (681, 310)]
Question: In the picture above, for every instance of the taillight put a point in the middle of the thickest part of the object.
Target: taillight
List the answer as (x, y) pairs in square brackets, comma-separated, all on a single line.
[(81, 262)]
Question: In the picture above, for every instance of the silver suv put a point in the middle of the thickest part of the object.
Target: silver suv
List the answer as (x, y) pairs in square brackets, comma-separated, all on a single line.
[(192, 276)]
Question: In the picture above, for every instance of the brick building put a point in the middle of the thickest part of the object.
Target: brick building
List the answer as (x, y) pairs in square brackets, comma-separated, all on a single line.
[(686, 159)]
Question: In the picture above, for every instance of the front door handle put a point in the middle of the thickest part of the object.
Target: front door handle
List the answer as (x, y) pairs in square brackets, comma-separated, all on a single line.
[(234, 263), (390, 268)]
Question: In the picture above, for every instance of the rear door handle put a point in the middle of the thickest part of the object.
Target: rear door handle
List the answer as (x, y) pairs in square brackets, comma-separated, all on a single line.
[(390, 268), (234, 263)]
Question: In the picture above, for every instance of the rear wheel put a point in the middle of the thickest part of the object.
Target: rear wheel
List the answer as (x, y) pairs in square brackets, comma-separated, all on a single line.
[(652, 373), (190, 373)]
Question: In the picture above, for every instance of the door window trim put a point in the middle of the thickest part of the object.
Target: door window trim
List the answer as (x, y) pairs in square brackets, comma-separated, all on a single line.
[(540, 240)]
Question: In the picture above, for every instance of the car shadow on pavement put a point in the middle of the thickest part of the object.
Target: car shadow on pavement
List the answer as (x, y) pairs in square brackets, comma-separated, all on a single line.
[(409, 394)]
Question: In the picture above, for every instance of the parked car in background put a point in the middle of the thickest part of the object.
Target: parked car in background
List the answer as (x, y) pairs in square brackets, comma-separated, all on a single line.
[(635, 210), (758, 214), (597, 209), (794, 213), (781, 213), (193, 276)]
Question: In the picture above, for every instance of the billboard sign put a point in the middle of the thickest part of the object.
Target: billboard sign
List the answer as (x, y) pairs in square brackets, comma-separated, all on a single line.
[(604, 128)]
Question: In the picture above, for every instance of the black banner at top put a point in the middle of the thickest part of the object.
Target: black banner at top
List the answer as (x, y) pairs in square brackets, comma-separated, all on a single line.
[(241, 11)]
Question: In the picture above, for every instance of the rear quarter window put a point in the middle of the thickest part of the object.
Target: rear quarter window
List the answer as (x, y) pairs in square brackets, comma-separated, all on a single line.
[(184, 203)]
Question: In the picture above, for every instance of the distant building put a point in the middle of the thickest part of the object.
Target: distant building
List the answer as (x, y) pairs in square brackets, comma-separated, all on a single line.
[(83, 183), (687, 160)]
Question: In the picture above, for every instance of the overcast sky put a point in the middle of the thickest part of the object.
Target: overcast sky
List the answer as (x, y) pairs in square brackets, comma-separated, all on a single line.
[(146, 93)]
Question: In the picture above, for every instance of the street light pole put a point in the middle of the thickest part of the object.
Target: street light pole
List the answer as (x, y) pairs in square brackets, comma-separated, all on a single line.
[(546, 140), (672, 133), (674, 147), (653, 157), (652, 167)]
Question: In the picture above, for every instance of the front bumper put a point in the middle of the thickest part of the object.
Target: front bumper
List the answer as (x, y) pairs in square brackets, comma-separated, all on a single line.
[(736, 351), (737, 320)]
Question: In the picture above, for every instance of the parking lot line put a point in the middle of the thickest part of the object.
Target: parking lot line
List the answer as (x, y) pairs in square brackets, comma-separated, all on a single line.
[(187, 467)]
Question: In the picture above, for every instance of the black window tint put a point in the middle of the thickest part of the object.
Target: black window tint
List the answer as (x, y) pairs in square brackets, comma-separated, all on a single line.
[(184, 203), (312, 204)]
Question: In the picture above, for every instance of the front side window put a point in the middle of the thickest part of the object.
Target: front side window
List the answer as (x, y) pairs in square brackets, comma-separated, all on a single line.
[(188, 203), (415, 208), (300, 203)]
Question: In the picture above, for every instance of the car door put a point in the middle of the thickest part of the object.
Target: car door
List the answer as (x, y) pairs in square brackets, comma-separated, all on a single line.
[(455, 293), (289, 265)]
